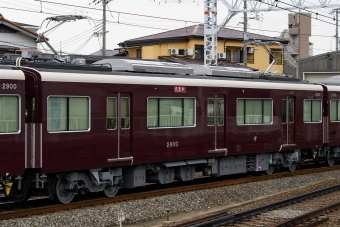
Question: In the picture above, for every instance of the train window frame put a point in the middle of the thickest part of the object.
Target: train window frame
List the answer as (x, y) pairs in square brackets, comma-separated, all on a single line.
[(218, 109), (312, 122), (289, 122), (158, 112), (213, 112), (244, 111), (70, 96), (120, 115), (19, 114), (337, 110), (218, 116), (107, 99)]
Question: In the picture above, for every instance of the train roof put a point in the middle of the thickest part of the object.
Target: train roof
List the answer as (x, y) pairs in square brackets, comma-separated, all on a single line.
[(124, 71), (172, 80), (11, 73)]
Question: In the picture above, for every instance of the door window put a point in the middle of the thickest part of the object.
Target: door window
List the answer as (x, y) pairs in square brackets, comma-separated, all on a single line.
[(111, 113), (125, 113)]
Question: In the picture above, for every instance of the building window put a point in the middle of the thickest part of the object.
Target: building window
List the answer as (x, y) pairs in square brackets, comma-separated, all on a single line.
[(68, 114), (238, 56), (9, 114), (254, 111), (199, 52), (171, 112), (335, 110), (111, 113), (278, 55), (181, 52), (139, 53), (312, 111), (228, 55)]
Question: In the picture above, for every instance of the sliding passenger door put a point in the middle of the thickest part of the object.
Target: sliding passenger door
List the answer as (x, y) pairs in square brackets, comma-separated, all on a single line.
[(119, 121), (288, 120), (216, 123)]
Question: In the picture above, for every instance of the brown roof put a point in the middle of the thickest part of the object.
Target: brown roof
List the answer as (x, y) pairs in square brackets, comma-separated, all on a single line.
[(16, 26), (195, 31)]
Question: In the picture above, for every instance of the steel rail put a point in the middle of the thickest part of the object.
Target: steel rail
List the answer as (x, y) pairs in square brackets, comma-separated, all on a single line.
[(154, 193), (306, 218), (225, 218)]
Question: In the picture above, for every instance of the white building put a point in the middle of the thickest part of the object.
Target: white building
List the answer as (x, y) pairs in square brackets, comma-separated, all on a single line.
[(16, 37)]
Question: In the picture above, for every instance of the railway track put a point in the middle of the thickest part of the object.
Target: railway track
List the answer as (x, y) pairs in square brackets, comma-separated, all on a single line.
[(26, 209), (310, 209)]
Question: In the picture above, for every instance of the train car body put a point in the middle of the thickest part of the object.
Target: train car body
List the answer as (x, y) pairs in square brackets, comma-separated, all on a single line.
[(95, 144), (12, 122), (100, 131), (333, 126)]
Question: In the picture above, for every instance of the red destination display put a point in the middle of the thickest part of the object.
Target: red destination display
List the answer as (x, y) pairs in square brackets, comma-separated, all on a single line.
[(180, 89)]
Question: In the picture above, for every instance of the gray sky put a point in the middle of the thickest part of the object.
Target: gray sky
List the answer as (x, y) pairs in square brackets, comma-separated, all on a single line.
[(143, 17)]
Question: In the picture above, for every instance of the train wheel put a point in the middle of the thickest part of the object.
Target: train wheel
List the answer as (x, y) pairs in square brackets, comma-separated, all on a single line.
[(270, 170), (292, 167), (110, 191), (62, 195), (330, 160)]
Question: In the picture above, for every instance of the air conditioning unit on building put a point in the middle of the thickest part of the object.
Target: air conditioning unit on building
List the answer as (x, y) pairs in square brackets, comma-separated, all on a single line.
[(174, 51), (221, 55), (250, 50), (188, 52)]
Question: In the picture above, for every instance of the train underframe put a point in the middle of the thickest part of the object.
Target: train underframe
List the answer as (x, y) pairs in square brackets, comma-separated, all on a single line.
[(62, 187)]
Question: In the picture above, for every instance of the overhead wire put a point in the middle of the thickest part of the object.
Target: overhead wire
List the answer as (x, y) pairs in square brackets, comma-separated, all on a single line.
[(151, 27), (126, 53)]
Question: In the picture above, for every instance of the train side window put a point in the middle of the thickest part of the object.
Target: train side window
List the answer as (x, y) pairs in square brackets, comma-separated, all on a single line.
[(9, 114), (210, 111), (68, 114), (254, 111), (125, 113), (312, 111), (188, 115), (111, 113), (170, 112), (335, 110)]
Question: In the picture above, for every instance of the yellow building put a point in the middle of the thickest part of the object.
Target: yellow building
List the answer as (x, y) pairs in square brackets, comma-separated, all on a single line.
[(186, 45)]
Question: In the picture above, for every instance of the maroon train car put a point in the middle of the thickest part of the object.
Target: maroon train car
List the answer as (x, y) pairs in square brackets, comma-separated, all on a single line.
[(333, 123), (12, 122), (100, 131)]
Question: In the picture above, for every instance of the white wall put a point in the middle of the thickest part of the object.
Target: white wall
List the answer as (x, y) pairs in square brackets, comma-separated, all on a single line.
[(17, 40)]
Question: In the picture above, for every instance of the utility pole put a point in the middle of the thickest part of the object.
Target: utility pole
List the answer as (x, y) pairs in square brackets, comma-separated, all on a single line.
[(104, 2), (336, 31), (104, 27), (245, 35)]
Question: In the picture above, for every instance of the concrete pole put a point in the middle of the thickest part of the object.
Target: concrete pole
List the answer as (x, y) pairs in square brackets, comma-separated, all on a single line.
[(104, 28), (245, 35)]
